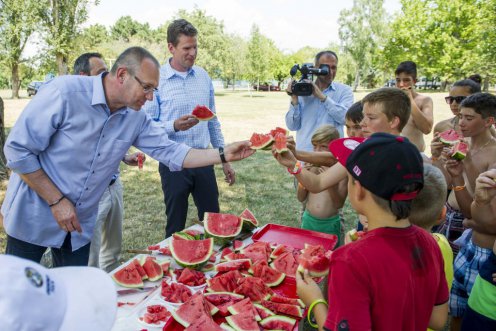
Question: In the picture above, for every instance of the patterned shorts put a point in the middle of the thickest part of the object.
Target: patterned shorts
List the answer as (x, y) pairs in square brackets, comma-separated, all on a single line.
[(466, 268), (452, 227)]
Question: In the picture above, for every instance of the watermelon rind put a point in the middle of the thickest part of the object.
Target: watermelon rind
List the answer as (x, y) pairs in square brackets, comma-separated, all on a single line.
[(226, 327), (241, 264), (277, 130), (128, 277), (459, 151), (236, 320), (153, 269), (249, 220), (203, 117), (185, 245), (280, 143), (278, 322), (265, 310), (449, 137), (256, 143), (183, 235), (213, 220)]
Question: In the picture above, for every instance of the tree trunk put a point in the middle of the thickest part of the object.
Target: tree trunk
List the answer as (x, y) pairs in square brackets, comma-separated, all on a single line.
[(61, 61), (16, 83), (485, 86), (357, 80), (4, 171)]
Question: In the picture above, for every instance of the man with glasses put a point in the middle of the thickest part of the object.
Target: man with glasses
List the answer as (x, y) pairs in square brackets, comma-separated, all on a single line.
[(421, 118), (182, 87), (68, 143)]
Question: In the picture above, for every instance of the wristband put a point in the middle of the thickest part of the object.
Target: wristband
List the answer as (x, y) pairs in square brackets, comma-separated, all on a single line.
[(316, 302), (434, 158), (458, 188), (56, 202), (222, 156), (296, 170)]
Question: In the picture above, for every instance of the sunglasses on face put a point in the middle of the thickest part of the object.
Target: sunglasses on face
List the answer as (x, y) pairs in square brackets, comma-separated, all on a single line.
[(458, 99)]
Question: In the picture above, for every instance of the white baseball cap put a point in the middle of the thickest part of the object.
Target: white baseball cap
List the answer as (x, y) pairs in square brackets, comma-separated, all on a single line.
[(34, 298)]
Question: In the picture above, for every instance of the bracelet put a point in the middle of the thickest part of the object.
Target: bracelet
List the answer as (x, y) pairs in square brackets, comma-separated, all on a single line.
[(222, 156), (458, 188), (296, 170), (56, 202), (434, 158), (316, 302)]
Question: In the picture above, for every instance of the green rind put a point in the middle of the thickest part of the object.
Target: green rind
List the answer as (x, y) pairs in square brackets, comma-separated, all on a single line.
[(278, 318), (277, 281), (196, 265), (226, 327), (130, 285), (458, 156), (265, 309), (184, 235), (179, 319), (232, 323), (245, 261), (219, 239), (313, 273)]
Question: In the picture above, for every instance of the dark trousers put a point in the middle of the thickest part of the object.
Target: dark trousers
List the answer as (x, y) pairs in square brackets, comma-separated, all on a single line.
[(63, 256), (178, 185)]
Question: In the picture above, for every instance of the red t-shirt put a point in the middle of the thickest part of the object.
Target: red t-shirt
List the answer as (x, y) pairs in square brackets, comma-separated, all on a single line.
[(389, 280)]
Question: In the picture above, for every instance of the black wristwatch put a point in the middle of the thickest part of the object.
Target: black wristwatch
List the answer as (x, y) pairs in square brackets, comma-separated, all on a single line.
[(222, 156)]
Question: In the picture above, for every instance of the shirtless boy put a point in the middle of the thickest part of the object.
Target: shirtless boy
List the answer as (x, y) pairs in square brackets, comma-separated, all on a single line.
[(478, 112), (421, 119)]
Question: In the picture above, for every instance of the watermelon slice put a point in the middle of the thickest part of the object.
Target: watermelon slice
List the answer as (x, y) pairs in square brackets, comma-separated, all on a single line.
[(278, 322), (270, 277), (314, 259), (165, 265), (243, 322), (182, 236), (355, 235), (194, 233), (285, 263), (223, 300), (225, 252), (235, 256), (238, 244), (249, 220), (243, 264), (190, 277), (253, 288), (277, 130), (152, 268), (155, 315), (205, 322), (128, 277), (192, 253), (244, 305), (257, 251), (449, 137), (222, 227), (208, 267), (203, 113), (459, 151), (260, 141), (226, 327), (140, 269), (279, 250), (226, 282), (192, 310), (165, 251), (291, 301), (281, 143), (262, 311), (283, 308), (175, 292)]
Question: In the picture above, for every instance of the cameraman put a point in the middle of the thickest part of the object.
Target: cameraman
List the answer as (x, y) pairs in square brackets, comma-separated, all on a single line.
[(327, 104)]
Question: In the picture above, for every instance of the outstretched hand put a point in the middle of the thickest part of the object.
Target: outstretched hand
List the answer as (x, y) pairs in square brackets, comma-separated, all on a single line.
[(185, 122), (133, 159), (286, 159), (238, 151)]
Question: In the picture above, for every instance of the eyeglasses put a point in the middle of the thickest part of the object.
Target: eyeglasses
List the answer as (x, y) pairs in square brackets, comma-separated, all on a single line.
[(146, 88), (458, 99)]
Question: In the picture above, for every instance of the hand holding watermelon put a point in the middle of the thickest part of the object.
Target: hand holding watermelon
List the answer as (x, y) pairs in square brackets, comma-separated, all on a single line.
[(134, 159), (185, 122), (286, 159), (485, 187), (203, 113), (238, 151), (307, 289)]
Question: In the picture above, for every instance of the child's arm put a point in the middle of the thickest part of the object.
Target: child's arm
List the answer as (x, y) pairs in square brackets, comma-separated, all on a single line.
[(319, 158), (301, 193), (439, 317), (308, 292), (484, 205)]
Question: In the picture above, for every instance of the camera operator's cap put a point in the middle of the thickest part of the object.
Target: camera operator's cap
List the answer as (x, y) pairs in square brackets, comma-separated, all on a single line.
[(35, 298), (383, 164)]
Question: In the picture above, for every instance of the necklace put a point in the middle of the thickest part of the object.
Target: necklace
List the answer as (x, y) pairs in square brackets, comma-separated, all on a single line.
[(473, 152)]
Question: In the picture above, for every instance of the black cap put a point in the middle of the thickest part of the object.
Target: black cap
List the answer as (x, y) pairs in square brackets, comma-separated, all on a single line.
[(384, 164)]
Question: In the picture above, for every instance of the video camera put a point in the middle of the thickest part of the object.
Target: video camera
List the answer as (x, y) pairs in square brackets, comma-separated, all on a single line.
[(307, 70)]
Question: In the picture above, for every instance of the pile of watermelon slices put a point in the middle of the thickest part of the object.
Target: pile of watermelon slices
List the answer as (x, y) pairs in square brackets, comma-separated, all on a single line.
[(133, 274), (452, 139), (277, 137)]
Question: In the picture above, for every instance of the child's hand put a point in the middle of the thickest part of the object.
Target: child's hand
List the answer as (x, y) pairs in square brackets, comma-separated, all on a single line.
[(307, 289), (286, 159)]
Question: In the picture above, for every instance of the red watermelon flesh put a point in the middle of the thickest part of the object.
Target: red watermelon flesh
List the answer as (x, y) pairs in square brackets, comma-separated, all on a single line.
[(223, 300), (249, 220), (277, 130), (315, 259), (128, 277), (194, 233), (208, 267), (165, 265), (449, 137), (283, 299), (191, 310), (165, 251), (235, 256), (283, 308), (278, 322), (226, 282), (257, 265), (253, 288), (243, 264), (225, 252), (257, 251), (153, 247), (155, 314), (190, 277), (152, 269), (244, 305), (285, 263), (192, 253), (223, 227), (281, 143), (203, 113), (140, 269), (262, 311), (459, 151), (279, 250), (204, 323), (271, 277), (260, 140), (175, 292), (243, 321), (238, 244)]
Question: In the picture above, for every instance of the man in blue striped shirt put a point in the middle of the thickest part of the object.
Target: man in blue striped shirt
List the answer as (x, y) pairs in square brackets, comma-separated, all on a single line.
[(182, 87), (327, 105)]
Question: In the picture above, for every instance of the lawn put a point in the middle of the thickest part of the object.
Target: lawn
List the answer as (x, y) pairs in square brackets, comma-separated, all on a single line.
[(261, 184)]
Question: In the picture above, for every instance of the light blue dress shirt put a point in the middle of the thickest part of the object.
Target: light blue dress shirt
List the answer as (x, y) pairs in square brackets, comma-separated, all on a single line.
[(178, 96), (68, 131), (311, 113)]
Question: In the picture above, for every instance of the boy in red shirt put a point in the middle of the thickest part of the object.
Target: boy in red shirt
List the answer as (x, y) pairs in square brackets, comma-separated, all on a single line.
[(393, 278)]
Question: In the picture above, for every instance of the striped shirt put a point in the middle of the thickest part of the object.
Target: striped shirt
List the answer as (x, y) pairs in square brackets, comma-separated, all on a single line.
[(178, 96)]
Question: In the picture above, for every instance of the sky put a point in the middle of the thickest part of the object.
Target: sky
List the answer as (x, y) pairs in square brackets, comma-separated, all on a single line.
[(291, 24)]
